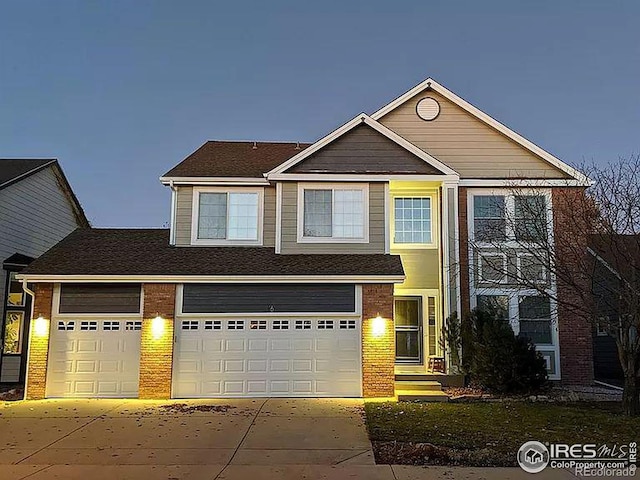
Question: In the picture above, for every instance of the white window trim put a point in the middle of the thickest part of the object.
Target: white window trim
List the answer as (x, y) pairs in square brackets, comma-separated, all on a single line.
[(600, 332), (433, 196), (332, 186), (514, 318), (509, 204), (504, 278), (195, 211), (539, 281)]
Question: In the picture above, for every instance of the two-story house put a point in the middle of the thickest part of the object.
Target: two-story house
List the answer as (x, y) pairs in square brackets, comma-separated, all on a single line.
[(37, 210), (290, 269)]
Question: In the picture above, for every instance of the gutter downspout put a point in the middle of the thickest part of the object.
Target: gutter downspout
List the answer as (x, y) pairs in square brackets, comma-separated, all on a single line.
[(172, 225), (32, 294)]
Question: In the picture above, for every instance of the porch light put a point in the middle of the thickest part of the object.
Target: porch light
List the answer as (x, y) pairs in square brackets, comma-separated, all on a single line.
[(379, 326), (41, 326), (157, 326)]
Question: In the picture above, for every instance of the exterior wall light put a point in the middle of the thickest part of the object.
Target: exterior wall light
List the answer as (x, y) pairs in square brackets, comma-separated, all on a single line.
[(41, 326), (157, 326), (379, 326)]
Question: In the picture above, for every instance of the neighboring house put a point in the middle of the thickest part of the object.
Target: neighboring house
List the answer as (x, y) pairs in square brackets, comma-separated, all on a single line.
[(616, 267), (290, 269), (37, 210)]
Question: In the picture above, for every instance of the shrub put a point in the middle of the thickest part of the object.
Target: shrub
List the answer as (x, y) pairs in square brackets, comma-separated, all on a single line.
[(499, 361), (451, 341)]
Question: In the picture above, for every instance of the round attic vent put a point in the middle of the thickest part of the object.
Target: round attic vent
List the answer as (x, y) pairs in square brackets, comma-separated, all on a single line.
[(428, 108)]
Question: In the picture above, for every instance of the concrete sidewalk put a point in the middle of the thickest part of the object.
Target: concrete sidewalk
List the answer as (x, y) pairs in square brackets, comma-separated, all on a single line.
[(204, 439)]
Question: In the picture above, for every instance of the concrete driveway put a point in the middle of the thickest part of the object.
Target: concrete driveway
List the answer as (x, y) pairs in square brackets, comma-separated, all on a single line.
[(178, 439), (257, 439)]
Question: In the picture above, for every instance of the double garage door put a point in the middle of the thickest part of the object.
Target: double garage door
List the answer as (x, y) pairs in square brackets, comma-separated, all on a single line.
[(215, 355)]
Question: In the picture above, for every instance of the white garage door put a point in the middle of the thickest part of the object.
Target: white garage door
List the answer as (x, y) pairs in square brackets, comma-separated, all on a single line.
[(94, 358), (286, 357)]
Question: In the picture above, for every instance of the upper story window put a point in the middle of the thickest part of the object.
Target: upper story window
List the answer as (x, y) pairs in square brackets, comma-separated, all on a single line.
[(489, 220), (222, 216), (333, 213), (520, 217), (412, 220)]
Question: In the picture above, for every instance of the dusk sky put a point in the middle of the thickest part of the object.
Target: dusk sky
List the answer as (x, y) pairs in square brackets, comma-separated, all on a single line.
[(120, 91)]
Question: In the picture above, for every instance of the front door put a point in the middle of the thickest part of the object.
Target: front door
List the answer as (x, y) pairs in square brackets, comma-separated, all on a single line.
[(408, 325)]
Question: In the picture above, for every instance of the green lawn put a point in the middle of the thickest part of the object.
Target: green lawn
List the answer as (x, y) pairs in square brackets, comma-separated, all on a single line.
[(491, 433)]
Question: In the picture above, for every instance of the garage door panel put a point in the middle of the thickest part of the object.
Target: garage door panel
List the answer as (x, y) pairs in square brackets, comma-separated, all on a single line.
[(96, 358), (270, 357)]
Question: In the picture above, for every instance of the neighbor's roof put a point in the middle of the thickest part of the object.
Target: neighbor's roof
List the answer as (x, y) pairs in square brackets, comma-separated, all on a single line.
[(619, 252), (146, 252), (15, 169), (235, 159)]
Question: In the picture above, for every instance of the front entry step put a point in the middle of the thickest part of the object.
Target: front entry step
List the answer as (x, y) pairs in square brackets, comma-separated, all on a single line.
[(421, 391)]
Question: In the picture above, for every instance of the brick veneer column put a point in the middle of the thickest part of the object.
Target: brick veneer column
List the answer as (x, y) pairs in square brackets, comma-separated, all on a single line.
[(156, 349), (465, 303), (39, 343), (378, 352), (574, 331)]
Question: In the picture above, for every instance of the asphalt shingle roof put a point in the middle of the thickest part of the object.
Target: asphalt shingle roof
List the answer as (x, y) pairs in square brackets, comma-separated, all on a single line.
[(147, 252), (235, 159), (11, 169)]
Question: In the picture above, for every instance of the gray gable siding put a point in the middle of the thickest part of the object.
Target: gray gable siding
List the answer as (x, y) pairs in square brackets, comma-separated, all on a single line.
[(366, 151), (35, 214)]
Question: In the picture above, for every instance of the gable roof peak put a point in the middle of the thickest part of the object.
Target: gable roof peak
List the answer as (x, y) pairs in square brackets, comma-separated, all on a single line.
[(360, 119), (431, 84)]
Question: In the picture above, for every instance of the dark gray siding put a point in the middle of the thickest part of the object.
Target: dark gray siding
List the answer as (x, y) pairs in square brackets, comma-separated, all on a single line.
[(606, 363), (364, 150), (100, 298), (265, 298)]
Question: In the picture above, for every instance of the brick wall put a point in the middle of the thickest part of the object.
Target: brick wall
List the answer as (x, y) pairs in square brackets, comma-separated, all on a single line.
[(156, 348), (378, 351), (39, 343), (574, 330), (465, 302)]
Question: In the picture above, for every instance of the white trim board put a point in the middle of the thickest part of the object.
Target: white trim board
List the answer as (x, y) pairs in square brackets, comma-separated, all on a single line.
[(430, 83), (213, 181), (360, 119), (213, 278)]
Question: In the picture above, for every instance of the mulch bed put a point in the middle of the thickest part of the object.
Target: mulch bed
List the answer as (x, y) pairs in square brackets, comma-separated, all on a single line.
[(411, 453)]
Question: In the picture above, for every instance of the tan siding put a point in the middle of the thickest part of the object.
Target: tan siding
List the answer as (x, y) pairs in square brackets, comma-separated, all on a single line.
[(290, 243), (183, 215), (466, 144), (269, 217)]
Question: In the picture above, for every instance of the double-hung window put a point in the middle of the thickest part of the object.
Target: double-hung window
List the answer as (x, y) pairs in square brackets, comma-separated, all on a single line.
[(333, 213), (519, 217), (226, 216), (530, 215), (535, 318), (489, 218)]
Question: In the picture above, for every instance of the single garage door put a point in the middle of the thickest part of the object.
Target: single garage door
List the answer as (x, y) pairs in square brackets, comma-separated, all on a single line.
[(94, 349), (287, 340), (94, 358), (273, 356)]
